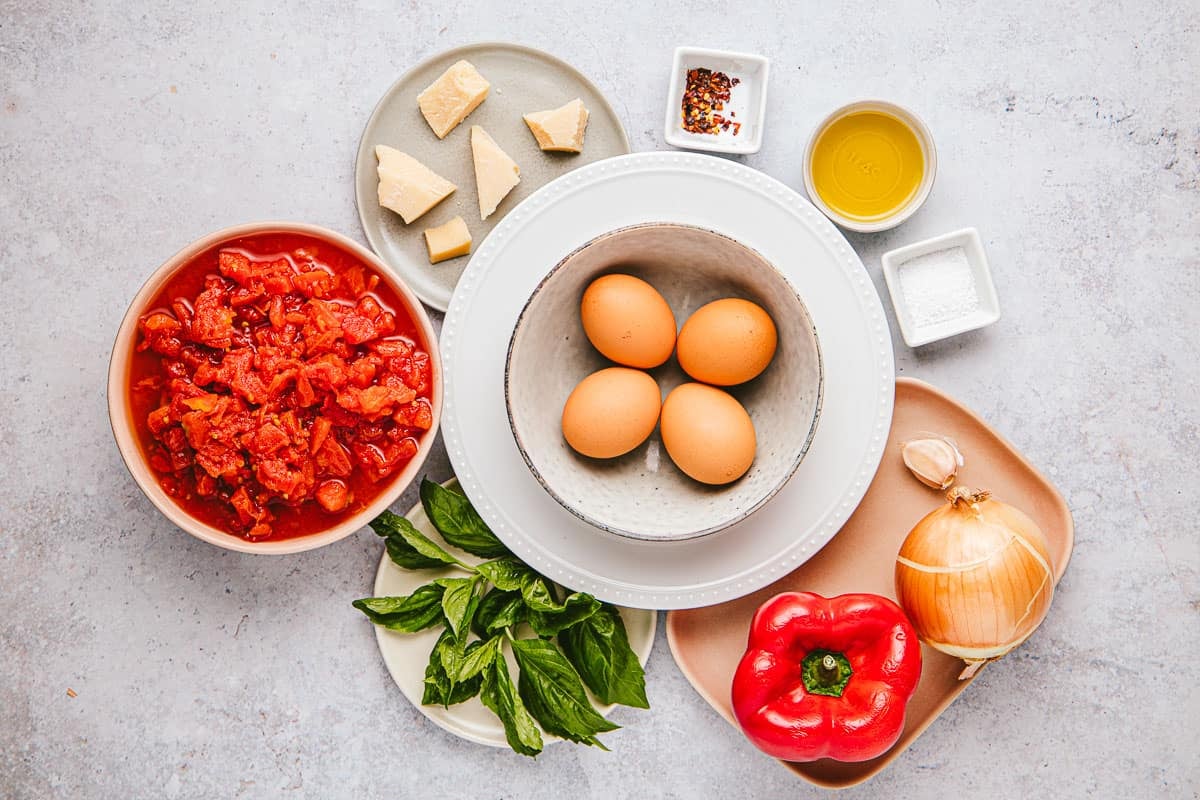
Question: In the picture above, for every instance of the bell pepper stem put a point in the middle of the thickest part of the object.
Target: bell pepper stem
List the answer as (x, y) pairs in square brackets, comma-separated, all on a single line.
[(825, 672)]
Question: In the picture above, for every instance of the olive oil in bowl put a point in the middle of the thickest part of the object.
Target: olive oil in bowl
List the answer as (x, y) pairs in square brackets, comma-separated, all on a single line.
[(870, 165)]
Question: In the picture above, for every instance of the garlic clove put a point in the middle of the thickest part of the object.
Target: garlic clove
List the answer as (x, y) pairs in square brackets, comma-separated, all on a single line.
[(933, 460)]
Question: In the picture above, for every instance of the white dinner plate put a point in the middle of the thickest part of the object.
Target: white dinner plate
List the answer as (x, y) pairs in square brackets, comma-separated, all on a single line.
[(406, 654), (731, 199), (523, 79)]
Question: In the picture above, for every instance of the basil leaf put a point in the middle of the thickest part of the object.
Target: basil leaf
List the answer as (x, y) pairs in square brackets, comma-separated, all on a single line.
[(420, 542), (547, 616), (538, 595), (417, 611), (599, 650), (459, 602), (451, 651), (437, 685), (385, 524), (508, 573), (574, 610), (478, 658), (554, 694), (466, 689), (499, 695), (440, 689), (498, 610), (403, 554), (458, 522)]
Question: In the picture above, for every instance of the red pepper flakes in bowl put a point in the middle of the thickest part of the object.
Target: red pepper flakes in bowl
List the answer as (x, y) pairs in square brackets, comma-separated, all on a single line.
[(277, 384), (705, 94)]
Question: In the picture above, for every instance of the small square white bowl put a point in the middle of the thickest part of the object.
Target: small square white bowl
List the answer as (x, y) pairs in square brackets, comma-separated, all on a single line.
[(988, 310), (747, 103)]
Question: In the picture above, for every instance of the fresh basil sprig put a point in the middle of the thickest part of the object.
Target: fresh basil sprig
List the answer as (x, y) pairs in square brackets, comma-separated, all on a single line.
[(459, 602), (458, 522), (599, 650), (508, 573), (501, 697), (499, 610), (407, 546), (579, 640), (554, 695), (416, 612), (442, 688), (560, 618)]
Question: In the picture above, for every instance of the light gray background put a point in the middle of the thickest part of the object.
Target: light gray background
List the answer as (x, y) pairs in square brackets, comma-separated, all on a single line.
[(1067, 134)]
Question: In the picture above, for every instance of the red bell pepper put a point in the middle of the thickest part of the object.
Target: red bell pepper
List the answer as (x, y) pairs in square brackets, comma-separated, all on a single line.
[(826, 678)]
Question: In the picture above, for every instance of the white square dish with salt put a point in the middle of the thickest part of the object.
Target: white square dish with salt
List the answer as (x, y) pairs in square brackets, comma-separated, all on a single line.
[(941, 287)]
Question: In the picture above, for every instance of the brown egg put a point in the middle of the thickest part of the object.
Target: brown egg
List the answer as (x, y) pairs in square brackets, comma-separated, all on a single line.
[(707, 433), (611, 412), (727, 342), (627, 320)]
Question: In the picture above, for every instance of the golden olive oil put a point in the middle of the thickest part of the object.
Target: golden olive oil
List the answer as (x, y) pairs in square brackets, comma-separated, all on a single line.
[(867, 165)]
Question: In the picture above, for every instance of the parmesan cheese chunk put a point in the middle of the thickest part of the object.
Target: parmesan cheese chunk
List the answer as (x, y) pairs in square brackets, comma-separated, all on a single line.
[(495, 173), (448, 241), (455, 94), (560, 128), (407, 186)]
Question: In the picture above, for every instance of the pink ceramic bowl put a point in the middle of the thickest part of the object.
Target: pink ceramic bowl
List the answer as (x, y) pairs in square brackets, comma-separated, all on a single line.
[(122, 421)]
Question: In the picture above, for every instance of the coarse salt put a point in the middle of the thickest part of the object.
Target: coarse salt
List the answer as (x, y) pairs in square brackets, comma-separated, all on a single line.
[(938, 287)]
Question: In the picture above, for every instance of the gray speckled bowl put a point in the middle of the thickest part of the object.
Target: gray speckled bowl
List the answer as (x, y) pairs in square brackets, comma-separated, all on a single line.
[(642, 494)]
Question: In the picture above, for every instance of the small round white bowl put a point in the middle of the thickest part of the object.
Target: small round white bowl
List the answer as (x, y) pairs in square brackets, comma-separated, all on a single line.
[(642, 494), (123, 425), (928, 151)]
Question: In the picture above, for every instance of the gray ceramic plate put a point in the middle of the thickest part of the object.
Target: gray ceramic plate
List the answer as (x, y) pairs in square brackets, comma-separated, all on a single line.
[(642, 495), (523, 80)]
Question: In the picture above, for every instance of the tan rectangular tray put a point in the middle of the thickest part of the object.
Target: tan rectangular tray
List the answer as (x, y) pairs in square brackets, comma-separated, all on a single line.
[(707, 643)]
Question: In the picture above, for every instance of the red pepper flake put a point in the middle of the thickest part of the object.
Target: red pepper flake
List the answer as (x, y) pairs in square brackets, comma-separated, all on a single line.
[(706, 93)]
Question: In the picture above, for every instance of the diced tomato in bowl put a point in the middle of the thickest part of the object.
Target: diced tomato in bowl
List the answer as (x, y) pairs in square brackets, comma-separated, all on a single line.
[(273, 388)]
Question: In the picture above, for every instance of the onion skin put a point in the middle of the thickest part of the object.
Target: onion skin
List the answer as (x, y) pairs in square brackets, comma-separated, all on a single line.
[(975, 577)]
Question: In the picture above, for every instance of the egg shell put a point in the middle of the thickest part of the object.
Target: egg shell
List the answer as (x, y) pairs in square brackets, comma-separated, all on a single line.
[(708, 433), (611, 412), (727, 342), (628, 321)]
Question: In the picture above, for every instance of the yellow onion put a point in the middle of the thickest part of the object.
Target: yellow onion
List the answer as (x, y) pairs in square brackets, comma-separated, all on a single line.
[(975, 577)]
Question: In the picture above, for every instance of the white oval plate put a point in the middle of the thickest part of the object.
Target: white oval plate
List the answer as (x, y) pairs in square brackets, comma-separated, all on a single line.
[(733, 200), (406, 654), (523, 79)]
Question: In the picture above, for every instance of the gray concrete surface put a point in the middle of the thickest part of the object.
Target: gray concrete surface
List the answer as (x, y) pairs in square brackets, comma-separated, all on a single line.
[(1068, 134)]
